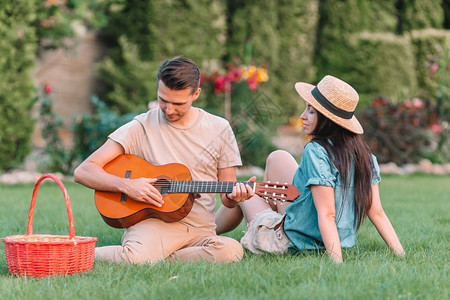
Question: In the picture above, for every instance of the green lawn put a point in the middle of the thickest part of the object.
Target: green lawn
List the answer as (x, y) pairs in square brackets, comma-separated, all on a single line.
[(418, 206)]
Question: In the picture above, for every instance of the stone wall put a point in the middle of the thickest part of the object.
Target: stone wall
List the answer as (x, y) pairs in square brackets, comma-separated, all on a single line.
[(70, 72)]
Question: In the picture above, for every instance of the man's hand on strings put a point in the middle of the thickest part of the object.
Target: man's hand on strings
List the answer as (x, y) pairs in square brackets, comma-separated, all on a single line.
[(143, 189)]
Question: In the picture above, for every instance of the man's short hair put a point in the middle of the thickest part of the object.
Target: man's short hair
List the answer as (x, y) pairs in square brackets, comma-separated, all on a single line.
[(179, 73)]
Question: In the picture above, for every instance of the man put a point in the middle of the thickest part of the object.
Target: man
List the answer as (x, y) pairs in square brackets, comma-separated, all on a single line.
[(175, 132)]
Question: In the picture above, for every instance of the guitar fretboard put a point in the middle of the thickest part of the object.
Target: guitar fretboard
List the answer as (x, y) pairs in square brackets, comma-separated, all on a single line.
[(179, 186)]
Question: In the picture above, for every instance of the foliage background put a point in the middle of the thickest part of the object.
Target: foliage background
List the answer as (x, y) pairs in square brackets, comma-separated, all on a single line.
[(383, 48), (17, 56)]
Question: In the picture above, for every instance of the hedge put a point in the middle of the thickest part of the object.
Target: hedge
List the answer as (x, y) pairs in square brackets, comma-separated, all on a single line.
[(432, 46), (383, 65), (17, 53)]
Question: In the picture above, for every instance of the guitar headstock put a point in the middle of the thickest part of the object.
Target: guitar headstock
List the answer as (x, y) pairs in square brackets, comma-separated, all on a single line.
[(276, 191)]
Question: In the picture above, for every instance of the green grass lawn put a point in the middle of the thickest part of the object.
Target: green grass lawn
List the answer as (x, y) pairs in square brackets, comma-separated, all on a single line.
[(417, 205)]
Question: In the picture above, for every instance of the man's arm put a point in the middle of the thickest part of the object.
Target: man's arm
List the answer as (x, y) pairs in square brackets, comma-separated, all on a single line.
[(90, 173), (241, 192)]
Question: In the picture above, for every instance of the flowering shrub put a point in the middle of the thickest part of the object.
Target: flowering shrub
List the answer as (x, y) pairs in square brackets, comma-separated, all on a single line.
[(406, 132), (223, 82), (232, 93), (396, 132), (252, 75), (439, 148), (438, 72), (61, 158)]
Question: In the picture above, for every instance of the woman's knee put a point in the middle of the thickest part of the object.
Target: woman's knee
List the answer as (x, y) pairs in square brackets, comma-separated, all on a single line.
[(280, 167), (278, 156)]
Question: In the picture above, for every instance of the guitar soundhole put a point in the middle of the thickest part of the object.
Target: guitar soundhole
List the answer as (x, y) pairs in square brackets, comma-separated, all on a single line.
[(163, 186)]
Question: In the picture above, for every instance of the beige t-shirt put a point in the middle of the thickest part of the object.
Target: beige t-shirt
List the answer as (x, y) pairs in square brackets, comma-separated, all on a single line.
[(205, 146)]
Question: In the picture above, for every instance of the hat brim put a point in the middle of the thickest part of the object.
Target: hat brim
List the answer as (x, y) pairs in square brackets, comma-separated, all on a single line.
[(304, 90)]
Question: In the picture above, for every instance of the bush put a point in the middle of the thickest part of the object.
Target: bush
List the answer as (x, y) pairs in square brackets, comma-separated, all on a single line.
[(17, 53), (383, 64), (419, 14), (368, 44), (432, 55), (61, 158), (395, 132), (91, 131), (251, 112), (132, 82)]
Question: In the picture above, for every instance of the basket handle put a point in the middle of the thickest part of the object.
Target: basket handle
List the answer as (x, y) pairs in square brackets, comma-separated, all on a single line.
[(66, 198)]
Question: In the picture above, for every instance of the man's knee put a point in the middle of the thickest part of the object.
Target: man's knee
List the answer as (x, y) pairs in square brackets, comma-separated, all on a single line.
[(231, 251), (128, 253)]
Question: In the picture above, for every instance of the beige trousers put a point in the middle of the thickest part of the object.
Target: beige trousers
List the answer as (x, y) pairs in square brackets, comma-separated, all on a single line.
[(153, 240)]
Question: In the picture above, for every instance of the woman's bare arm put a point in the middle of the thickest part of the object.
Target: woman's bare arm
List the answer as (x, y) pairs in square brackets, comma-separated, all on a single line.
[(383, 225), (326, 212)]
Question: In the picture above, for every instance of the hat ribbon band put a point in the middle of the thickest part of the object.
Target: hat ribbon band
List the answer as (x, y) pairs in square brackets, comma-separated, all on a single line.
[(330, 106)]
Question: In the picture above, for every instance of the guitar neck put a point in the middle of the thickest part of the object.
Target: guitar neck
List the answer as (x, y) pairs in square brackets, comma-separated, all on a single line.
[(179, 186)]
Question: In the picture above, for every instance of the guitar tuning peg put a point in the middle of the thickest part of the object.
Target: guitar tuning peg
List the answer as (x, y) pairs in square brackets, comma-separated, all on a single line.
[(274, 202)]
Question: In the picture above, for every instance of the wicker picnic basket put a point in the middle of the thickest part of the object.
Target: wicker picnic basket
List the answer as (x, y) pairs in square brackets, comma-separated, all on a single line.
[(39, 255)]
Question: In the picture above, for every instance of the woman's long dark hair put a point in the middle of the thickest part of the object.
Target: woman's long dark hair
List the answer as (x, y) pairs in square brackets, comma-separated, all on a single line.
[(346, 150)]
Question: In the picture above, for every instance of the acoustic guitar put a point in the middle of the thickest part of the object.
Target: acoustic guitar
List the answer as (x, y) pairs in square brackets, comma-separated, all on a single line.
[(175, 185)]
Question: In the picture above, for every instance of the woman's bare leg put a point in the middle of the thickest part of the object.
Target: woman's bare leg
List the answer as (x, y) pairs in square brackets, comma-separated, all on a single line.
[(280, 167)]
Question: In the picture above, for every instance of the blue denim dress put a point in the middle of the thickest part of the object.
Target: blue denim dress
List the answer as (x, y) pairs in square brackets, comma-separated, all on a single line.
[(301, 223)]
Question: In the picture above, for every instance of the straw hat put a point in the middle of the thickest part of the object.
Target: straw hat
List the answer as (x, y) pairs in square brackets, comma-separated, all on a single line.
[(335, 99)]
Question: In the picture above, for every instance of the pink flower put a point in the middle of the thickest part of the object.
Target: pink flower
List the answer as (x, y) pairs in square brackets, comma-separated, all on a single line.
[(234, 74), (433, 69), (48, 88), (436, 128), (253, 82), (219, 84), (417, 103), (408, 104)]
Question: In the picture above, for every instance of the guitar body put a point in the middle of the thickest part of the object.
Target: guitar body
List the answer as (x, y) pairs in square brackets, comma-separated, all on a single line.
[(120, 211)]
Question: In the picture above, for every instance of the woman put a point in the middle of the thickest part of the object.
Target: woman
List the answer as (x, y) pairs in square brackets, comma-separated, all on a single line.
[(337, 179)]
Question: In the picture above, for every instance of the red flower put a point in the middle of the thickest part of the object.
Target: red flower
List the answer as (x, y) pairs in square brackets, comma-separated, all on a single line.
[(379, 102), (220, 84), (48, 88)]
